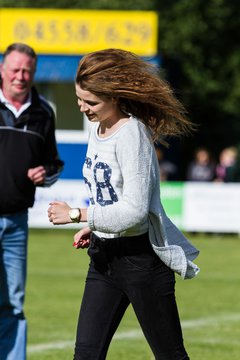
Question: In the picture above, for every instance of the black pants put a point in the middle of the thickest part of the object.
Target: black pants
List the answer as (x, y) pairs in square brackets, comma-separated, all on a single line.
[(124, 271)]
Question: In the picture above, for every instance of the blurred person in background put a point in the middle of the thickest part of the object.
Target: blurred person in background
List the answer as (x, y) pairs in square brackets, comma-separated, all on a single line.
[(202, 168), (28, 158), (227, 161), (168, 170), (134, 248), (234, 171)]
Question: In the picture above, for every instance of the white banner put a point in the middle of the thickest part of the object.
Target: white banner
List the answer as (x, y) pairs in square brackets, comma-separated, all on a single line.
[(71, 191), (211, 207)]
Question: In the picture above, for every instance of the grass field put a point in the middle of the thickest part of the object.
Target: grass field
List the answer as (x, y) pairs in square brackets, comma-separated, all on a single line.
[(209, 305)]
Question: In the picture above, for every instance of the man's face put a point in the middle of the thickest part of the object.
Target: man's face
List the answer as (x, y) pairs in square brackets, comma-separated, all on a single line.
[(17, 74)]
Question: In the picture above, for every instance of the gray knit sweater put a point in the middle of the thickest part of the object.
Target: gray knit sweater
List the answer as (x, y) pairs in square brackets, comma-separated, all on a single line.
[(122, 176)]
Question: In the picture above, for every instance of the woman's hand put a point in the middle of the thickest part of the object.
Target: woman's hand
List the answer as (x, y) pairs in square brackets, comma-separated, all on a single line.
[(58, 213), (82, 238)]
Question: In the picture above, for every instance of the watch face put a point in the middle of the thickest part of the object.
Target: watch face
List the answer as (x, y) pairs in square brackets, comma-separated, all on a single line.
[(74, 214)]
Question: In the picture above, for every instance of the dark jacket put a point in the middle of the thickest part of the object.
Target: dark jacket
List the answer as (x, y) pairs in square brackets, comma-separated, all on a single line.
[(26, 142)]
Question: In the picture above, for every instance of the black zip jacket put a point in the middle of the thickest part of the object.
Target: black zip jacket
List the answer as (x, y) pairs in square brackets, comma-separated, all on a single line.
[(26, 142)]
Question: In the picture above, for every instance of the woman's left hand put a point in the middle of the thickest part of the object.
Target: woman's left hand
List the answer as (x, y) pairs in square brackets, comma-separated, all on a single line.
[(58, 213), (82, 238)]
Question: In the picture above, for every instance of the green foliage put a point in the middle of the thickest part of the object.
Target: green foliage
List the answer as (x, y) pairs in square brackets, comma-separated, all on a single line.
[(81, 4), (199, 43), (203, 36), (209, 305)]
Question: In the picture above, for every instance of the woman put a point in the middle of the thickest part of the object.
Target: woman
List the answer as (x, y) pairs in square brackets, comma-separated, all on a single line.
[(133, 246), (202, 167)]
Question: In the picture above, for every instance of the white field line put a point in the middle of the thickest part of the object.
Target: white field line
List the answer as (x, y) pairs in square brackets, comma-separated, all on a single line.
[(186, 324), (210, 321)]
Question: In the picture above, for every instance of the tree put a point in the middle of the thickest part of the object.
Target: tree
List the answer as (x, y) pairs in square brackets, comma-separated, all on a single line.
[(199, 42), (82, 4)]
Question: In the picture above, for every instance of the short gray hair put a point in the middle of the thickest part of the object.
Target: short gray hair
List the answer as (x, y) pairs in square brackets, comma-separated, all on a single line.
[(22, 48)]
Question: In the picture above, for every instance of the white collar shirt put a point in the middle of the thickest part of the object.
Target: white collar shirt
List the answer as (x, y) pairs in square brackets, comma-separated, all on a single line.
[(12, 108)]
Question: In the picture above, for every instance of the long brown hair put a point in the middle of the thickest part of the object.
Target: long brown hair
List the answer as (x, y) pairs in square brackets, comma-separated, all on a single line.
[(137, 86)]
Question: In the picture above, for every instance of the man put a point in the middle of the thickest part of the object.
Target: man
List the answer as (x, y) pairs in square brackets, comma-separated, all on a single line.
[(28, 158)]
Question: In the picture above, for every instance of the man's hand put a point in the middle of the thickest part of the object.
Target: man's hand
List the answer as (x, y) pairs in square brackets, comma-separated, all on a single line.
[(37, 175)]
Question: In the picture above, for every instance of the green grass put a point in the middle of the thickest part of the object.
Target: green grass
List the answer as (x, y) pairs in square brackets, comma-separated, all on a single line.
[(209, 305)]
